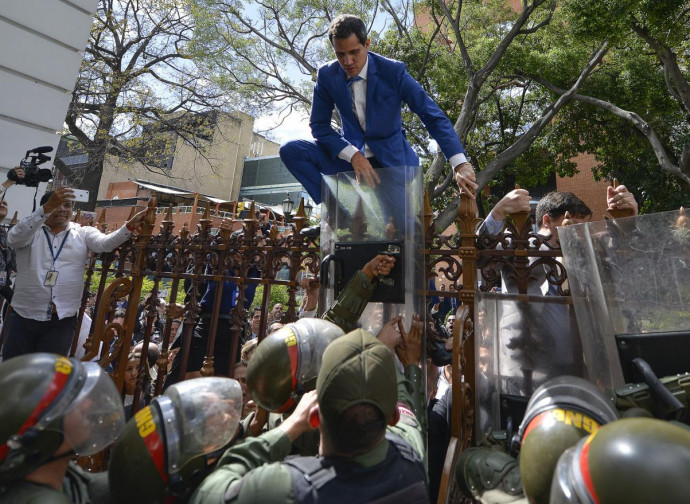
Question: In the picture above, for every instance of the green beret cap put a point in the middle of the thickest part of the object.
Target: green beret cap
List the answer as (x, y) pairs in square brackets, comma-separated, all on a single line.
[(357, 368)]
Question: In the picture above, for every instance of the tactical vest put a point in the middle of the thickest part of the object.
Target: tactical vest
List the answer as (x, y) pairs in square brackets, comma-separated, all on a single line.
[(400, 477)]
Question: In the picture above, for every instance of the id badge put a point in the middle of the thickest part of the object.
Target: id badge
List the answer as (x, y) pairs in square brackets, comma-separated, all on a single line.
[(51, 278), (3, 277)]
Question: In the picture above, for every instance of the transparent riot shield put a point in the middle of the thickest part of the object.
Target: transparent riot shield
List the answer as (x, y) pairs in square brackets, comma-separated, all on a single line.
[(521, 342), (630, 283), (357, 223)]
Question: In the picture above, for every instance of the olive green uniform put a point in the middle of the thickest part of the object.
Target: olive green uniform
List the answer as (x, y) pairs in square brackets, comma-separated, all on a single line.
[(256, 461), (347, 309), (78, 487), (345, 312)]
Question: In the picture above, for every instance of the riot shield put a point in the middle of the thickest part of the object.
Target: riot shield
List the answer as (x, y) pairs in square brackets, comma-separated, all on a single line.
[(357, 223), (630, 283), (521, 342)]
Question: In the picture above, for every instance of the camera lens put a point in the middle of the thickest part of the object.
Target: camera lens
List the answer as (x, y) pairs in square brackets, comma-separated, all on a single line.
[(44, 175)]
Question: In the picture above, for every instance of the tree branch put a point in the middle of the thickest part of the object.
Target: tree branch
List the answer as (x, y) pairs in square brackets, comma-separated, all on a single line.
[(670, 63), (509, 155), (680, 170)]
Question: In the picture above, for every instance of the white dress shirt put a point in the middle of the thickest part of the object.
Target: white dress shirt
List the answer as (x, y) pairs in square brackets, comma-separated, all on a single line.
[(359, 88), (32, 299)]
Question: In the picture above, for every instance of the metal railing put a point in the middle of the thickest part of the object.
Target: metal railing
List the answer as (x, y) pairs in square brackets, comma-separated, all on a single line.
[(167, 258)]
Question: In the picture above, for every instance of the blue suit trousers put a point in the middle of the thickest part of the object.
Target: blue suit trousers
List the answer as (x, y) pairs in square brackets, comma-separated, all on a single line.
[(308, 162)]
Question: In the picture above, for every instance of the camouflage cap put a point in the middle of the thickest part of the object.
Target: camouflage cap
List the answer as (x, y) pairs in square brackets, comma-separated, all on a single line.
[(356, 368)]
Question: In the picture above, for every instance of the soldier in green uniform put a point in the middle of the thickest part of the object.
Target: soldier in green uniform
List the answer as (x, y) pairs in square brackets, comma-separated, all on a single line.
[(170, 445), (52, 408), (287, 361), (347, 309), (371, 438)]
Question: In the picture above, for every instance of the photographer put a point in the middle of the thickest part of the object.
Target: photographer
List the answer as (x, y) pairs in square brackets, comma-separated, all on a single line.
[(18, 173), (51, 254)]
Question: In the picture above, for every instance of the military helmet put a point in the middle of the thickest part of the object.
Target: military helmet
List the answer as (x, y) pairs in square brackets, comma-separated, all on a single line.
[(49, 399), (631, 461), (286, 363), (167, 447), (560, 412)]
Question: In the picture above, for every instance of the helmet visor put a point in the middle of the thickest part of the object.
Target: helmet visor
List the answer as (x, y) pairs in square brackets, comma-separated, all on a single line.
[(313, 335), (568, 486), (207, 412), (96, 417)]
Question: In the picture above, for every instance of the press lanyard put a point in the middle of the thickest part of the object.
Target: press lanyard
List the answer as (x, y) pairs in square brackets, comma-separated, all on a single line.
[(50, 245)]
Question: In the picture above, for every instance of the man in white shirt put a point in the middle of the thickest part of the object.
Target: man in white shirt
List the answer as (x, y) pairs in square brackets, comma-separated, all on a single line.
[(51, 255)]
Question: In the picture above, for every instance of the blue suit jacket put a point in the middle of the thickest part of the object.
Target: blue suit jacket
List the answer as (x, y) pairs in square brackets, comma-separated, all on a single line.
[(388, 86)]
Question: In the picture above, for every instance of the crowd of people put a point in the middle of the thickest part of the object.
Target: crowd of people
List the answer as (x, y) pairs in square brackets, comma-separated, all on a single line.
[(371, 447)]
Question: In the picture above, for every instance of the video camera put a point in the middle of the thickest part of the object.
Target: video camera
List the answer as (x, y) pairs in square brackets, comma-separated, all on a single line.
[(32, 174)]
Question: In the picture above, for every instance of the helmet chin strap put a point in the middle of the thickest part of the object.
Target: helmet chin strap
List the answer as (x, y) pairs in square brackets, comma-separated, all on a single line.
[(68, 454)]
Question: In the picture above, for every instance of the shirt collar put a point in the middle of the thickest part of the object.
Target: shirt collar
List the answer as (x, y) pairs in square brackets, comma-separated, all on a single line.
[(365, 70), (70, 225), (373, 457)]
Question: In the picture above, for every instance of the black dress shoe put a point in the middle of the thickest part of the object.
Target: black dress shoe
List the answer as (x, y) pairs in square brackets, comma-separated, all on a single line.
[(311, 232)]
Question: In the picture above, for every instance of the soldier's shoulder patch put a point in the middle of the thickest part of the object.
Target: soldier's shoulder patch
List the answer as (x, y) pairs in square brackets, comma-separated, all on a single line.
[(406, 414)]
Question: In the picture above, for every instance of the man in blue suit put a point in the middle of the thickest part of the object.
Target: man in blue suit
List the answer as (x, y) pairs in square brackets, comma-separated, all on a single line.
[(368, 90)]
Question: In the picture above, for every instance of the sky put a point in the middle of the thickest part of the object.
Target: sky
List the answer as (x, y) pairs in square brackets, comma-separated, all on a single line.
[(295, 126)]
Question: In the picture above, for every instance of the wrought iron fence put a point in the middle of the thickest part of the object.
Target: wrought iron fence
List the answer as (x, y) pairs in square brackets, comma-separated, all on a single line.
[(180, 261)]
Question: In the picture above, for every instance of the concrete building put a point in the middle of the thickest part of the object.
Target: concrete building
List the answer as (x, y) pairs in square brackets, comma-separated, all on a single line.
[(214, 168), (188, 208)]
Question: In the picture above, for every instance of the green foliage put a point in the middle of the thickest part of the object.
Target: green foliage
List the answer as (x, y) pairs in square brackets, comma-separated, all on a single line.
[(279, 294), (631, 78), (146, 286), (269, 54)]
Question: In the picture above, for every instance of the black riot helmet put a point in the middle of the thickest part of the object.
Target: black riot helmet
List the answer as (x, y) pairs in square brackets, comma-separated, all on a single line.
[(167, 449), (48, 400), (286, 363), (560, 412)]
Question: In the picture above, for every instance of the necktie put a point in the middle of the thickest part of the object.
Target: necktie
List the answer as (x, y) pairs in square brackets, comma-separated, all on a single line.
[(351, 88)]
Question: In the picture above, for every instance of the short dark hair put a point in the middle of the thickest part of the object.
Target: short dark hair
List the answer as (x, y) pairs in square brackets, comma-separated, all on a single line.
[(254, 310), (152, 354), (556, 203), (345, 25), (45, 197), (357, 430)]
